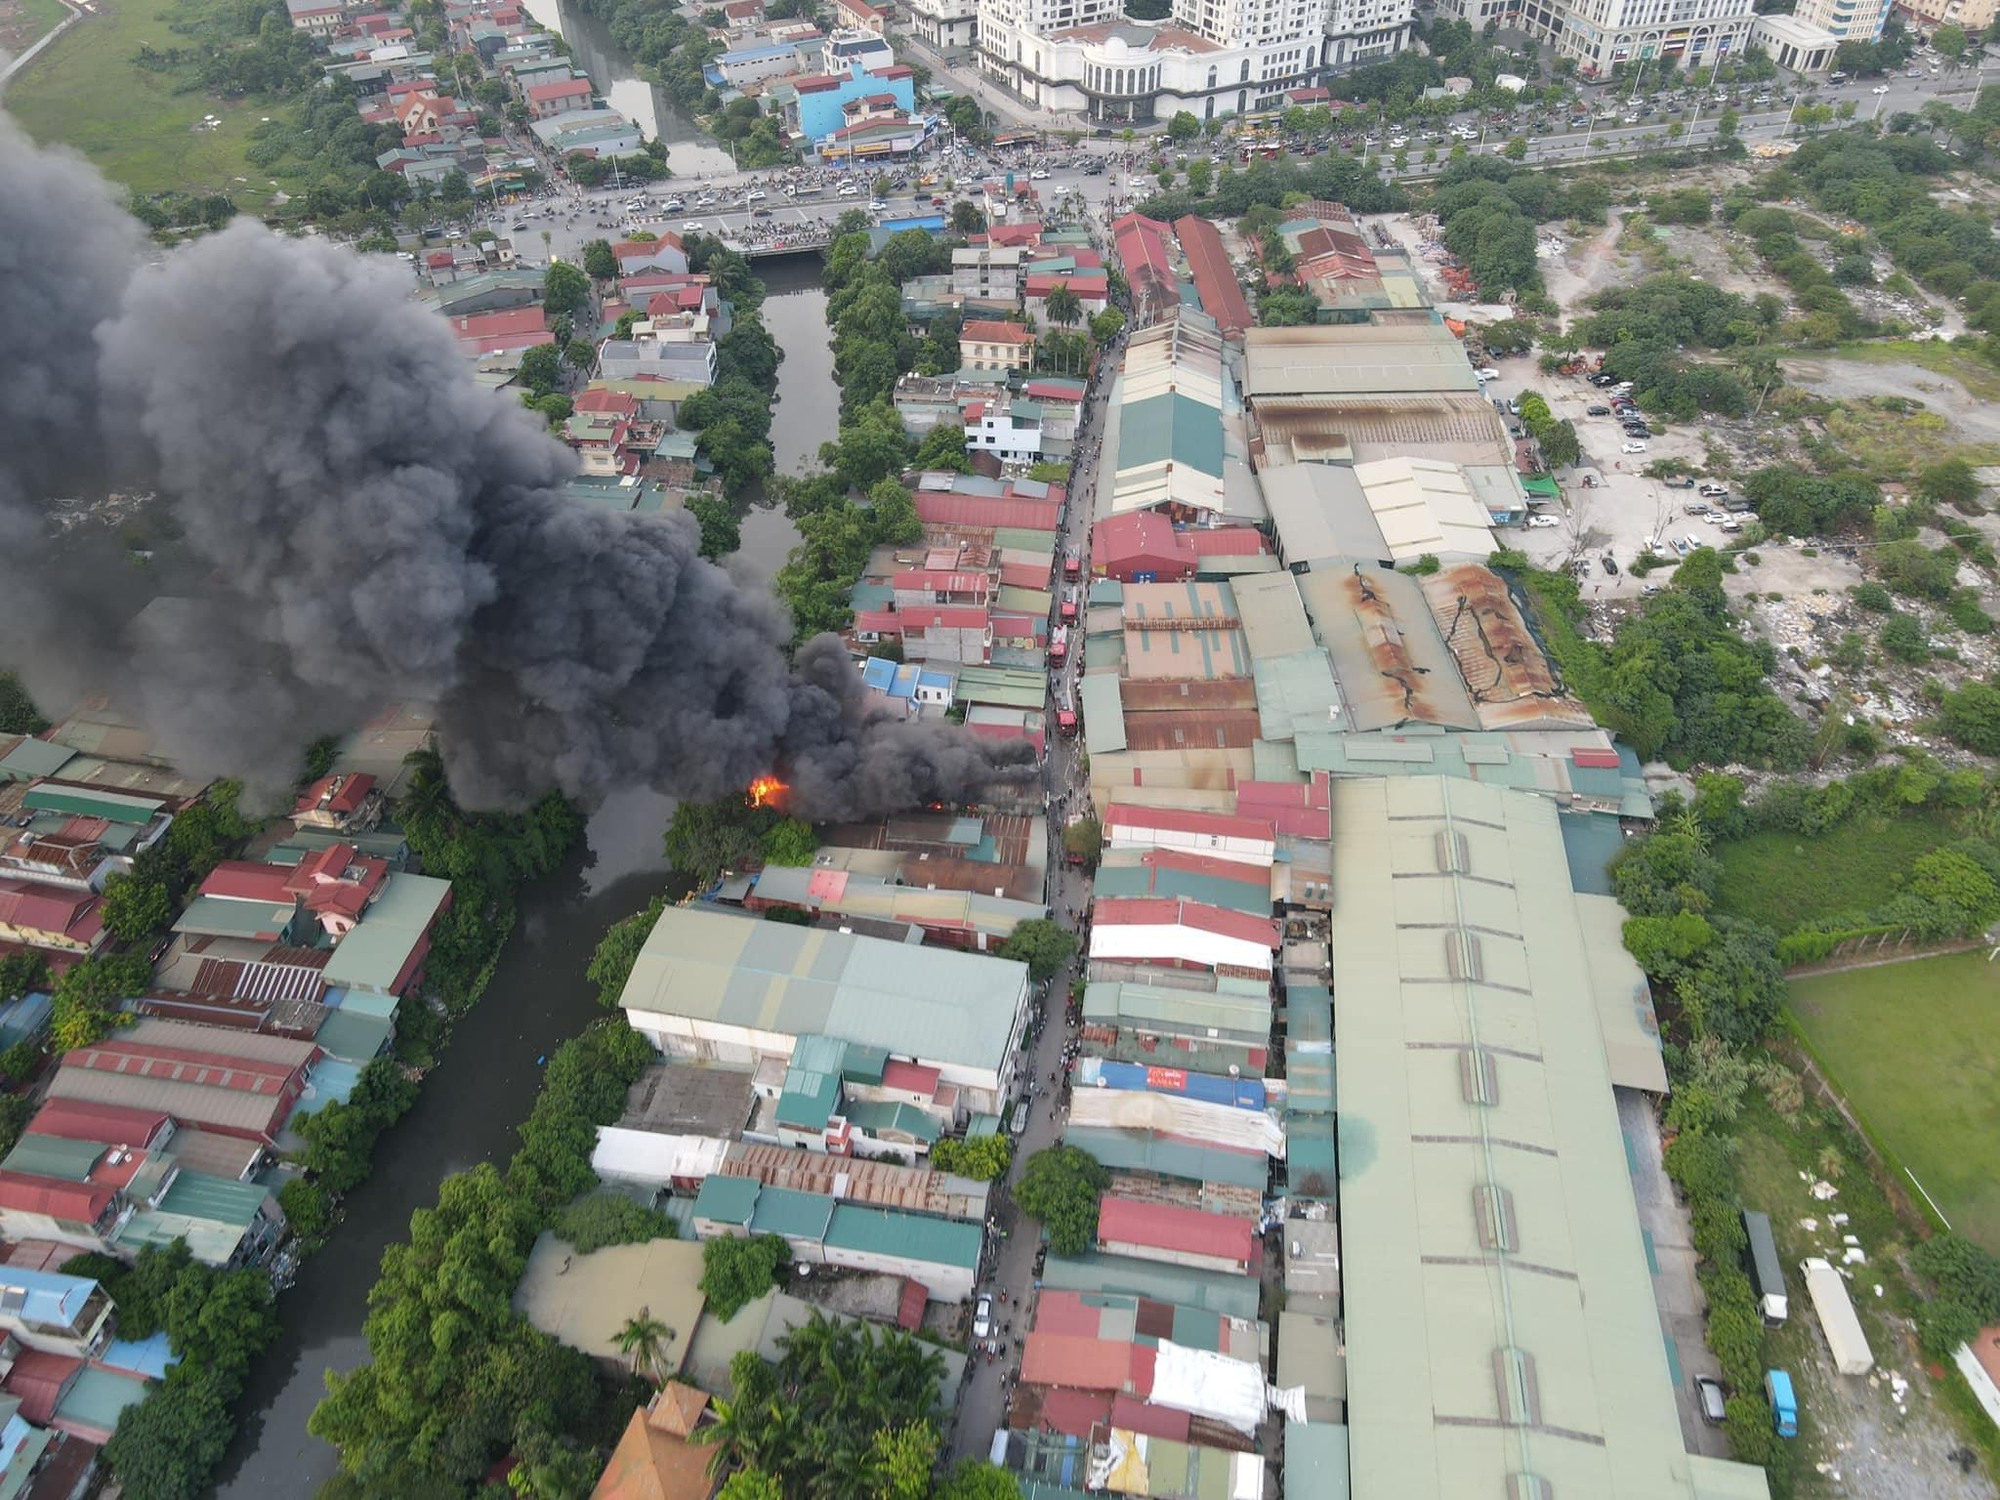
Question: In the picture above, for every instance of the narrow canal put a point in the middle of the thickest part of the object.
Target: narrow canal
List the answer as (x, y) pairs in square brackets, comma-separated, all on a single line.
[(466, 1113)]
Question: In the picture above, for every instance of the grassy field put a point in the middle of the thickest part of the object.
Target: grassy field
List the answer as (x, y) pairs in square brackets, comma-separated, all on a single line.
[(22, 22), (1783, 879), (1915, 1048), (85, 92), (1978, 377)]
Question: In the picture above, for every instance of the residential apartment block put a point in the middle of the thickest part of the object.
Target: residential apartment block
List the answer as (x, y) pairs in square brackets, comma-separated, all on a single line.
[(1601, 34)]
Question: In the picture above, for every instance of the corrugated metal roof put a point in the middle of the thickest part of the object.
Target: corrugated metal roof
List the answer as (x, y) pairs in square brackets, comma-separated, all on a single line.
[(1160, 1226), (908, 1236), (1132, 1151), (1576, 1295), (791, 1215), (933, 1004), (115, 807), (727, 1200), (1231, 1296), (52, 1156)]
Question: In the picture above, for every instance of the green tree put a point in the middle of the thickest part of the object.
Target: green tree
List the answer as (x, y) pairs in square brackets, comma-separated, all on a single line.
[(540, 370), (599, 263), (983, 1158), (791, 841), (971, 1479), (611, 965), (168, 1446), (735, 1273), (565, 289), (88, 996), (1949, 482), (721, 530), (1200, 177), (901, 1461), (643, 1336), (1971, 716), (1515, 150), (1903, 638), (893, 513), (600, 1219), (1106, 326), (1064, 307), (1183, 126), (707, 838), (18, 714), (22, 973), (1084, 840), (943, 447), (751, 1484), (136, 909), (1950, 43), (1040, 943), (1060, 1188)]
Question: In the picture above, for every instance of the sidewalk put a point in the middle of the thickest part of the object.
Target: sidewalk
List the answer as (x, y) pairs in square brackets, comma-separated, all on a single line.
[(1007, 106)]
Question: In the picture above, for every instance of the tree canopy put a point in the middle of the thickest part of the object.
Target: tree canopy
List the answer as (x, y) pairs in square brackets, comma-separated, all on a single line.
[(1042, 944), (735, 1273), (1060, 1187)]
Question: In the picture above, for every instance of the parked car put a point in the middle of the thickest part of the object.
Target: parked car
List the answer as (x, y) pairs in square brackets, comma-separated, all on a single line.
[(1540, 521), (1610, 564), (982, 1318), (1633, 447), (1683, 482), (1715, 491), (1597, 411), (1601, 379)]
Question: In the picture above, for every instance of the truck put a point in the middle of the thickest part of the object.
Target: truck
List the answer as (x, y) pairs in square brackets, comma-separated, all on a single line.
[(1072, 564), (1837, 1318), (1784, 1405), (1066, 722), (1058, 645), (1767, 1272), (1069, 604)]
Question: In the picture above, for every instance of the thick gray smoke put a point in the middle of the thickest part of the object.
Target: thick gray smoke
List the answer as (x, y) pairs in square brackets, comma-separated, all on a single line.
[(376, 528)]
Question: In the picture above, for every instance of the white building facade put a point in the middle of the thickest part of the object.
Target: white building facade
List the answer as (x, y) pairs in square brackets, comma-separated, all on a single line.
[(1849, 20), (947, 26), (1601, 34), (1213, 58)]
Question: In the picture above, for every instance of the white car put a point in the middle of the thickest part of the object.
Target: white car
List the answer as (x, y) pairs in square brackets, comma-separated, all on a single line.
[(850, 190), (1038, 174), (676, 205), (1486, 373), (876, 206), (1540, 521), (1633, 448), (1880, 88), (755, 195), (693, 226), (982, 1319)]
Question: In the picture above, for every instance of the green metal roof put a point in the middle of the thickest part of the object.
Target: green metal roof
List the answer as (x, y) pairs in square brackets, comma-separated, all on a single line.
[(33, 759), (899, 1119), (1488, 952), (1251, 894), (1231, 1296), (1170, 428), (1020, 599), (215, 917), (812, 1083), (934, 1004), (99, 1398), (52, 1156), (115, 807), (726, 1200), (882, 1231), (1024, 539), (1002, 687), (1132, 1151), (1103, 713), (1316, 1459), (860, 1064), (791, 1214), (354, 1036), (373, 954), (197, 1195), (1245, 1018)]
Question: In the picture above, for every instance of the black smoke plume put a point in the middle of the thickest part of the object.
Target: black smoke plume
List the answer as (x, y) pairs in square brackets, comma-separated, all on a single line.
[(374, 528)]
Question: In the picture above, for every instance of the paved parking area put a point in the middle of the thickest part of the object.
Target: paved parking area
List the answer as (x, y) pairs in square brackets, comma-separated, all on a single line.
[(1624, 508)]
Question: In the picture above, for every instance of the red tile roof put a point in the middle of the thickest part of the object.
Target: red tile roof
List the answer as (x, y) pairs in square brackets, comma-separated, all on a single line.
[(39, 1379), (1066, 1313), (1141, 536), (1030, 513), (510, 328), (71, 1202), (950, 583), (215, 1070), (1006, 236), (911, 1078), (352, 792), (1176, 820), (982, 331), (1161, 1226), (910, 1309), (1153, 911), (1087, 1364), (106, 1124), (1228, 541), (944, 617), (1300, 809), (1214, 278), (246, 880), (880, 621), (1077, 1413), (1149, 1420), (569, 88), (51, 911)]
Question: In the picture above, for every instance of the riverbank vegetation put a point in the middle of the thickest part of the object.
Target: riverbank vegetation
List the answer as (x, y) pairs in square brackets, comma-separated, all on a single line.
[(456, 1378), (675, 51), (169, 1445)]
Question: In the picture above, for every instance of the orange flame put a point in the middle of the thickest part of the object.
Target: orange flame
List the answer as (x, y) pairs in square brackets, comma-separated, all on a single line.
[(766, 790)]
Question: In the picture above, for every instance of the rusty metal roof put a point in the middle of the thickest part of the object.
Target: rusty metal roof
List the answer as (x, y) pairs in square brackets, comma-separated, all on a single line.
[(1391, 661), (1511, 681)]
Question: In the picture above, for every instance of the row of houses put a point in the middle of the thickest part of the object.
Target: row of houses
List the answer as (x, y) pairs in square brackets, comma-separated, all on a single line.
[(1357, 1025), (274, 989)]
